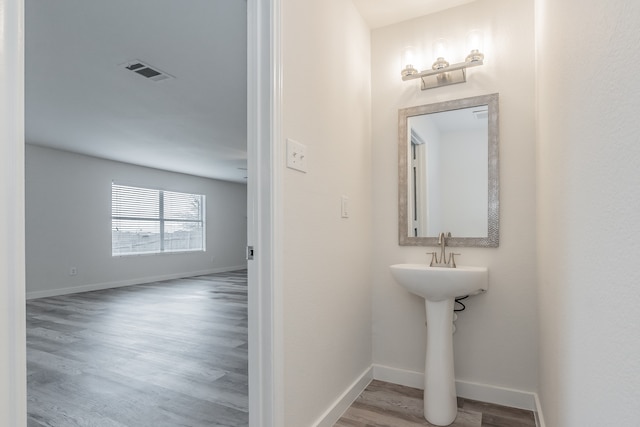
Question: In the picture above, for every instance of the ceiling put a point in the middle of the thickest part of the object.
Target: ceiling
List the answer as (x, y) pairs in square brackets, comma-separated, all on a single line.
[(380, 13), (80, 98), (463, 119)]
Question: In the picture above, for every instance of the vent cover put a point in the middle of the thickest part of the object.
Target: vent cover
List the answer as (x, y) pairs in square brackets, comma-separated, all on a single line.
[(481, 114), (146, 71)]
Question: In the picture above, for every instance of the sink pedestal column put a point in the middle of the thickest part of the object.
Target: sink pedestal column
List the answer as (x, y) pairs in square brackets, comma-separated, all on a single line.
[(440, 401)]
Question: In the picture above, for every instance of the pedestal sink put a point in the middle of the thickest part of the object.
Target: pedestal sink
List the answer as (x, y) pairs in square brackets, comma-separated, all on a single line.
[(439, 287)]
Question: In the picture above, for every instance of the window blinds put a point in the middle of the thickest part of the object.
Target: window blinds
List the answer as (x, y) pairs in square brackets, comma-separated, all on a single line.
[(145, 220)]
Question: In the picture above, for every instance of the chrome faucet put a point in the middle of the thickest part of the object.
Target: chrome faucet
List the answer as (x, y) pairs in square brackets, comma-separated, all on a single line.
[(442, 262), (442, 241)]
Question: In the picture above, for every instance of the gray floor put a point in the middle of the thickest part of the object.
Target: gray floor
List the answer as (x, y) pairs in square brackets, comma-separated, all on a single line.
[(389, 405), (174, 353), (170, 353)]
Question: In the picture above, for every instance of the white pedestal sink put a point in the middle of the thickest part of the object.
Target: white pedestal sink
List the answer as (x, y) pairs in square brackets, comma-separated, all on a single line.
[(439, 287)]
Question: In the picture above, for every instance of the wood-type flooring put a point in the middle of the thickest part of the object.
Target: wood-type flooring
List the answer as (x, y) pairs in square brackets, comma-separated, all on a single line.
[(162, 354), (383, 404), (174, 353)]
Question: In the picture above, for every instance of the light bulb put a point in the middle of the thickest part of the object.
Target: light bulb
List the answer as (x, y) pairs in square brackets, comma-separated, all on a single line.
[(440, 48), (408, 61), (475, 46)]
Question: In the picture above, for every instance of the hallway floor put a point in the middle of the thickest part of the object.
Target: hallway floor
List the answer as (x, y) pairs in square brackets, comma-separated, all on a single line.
[(174, 353), (162, 354), (388, 405)]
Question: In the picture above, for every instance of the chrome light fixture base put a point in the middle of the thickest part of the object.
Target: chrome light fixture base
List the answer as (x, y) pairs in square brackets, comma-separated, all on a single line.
[(447, 74), (440, 64), (409, 70), (474, 56)]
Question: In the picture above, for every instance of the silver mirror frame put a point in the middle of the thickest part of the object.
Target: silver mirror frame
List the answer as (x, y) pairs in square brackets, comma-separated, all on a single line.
[(493, 227)]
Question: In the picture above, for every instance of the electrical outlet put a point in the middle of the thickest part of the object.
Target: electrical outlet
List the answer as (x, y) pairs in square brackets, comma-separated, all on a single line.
[(73, 271)]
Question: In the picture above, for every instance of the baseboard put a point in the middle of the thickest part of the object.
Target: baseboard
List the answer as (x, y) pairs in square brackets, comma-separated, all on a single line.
[(468, 390), (398, 376), (538, 413), (498, 395), (342, 403), (130, 282)]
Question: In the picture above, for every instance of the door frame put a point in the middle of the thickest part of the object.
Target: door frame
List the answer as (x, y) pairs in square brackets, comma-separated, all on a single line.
[(13, 387), (264, 184), (265, 163)]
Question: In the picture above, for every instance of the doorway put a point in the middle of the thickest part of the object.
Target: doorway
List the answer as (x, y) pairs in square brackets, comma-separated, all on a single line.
[(263, 354)]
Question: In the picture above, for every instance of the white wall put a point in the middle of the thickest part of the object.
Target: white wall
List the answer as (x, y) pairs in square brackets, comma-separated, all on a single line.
[(496, 341), (462, 180), (68, 224), (326, 259), (589, 211)]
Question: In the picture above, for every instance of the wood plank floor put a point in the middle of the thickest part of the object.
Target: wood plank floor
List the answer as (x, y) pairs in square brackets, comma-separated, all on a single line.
[(163, 354), (389, 405)]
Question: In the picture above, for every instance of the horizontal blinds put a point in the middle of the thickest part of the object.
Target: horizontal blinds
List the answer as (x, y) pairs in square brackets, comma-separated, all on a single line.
[(135, 202), (151, 221), (182, 206)]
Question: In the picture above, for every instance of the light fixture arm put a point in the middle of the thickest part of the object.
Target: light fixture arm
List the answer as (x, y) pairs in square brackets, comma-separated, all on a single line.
[(452, 74)]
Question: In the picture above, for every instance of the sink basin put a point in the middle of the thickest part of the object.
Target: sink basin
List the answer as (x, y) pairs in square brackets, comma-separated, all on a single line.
[(439, 284), (439, 287)]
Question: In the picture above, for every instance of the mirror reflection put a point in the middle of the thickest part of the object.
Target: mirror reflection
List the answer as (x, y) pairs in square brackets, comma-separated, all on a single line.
[(448, 172), (451, 198)]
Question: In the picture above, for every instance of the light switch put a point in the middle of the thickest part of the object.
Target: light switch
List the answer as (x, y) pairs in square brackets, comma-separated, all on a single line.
[(296, 155), (344, 207)]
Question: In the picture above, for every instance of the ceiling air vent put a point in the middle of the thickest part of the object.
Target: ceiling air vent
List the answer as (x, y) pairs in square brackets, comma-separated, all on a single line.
[(481, 114), (147, 71)]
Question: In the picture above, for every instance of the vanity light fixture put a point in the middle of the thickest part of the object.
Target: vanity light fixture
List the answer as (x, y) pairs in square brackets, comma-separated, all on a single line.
[(442, 73)]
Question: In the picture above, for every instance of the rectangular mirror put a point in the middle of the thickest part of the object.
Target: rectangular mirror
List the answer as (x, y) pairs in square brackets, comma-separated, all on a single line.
[(448, 173)]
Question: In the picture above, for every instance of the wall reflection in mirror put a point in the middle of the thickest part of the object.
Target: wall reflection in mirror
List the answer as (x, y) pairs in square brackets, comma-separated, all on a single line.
[(448, 163)]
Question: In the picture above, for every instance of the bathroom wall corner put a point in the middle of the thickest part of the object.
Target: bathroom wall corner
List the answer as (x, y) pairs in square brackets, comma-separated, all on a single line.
[(342, 403)]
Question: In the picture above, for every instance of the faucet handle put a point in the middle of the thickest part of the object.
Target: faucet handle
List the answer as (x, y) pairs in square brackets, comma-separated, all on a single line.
[(452, 260), (434, 258)]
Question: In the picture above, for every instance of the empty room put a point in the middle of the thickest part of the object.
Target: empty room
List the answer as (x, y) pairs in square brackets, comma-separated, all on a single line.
[(136, 213)]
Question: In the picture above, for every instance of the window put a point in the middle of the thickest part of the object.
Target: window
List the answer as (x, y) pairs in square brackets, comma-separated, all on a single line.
[(147, 221)]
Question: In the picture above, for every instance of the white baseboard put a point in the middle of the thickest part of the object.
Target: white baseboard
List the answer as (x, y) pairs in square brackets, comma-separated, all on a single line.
[(468, 390), (498, 395), (398, 376), (538, 413), (342, 403), (130, 282)]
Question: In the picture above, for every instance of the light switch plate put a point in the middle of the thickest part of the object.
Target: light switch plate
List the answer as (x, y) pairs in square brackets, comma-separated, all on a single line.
[(344, 207), (296, 155)]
